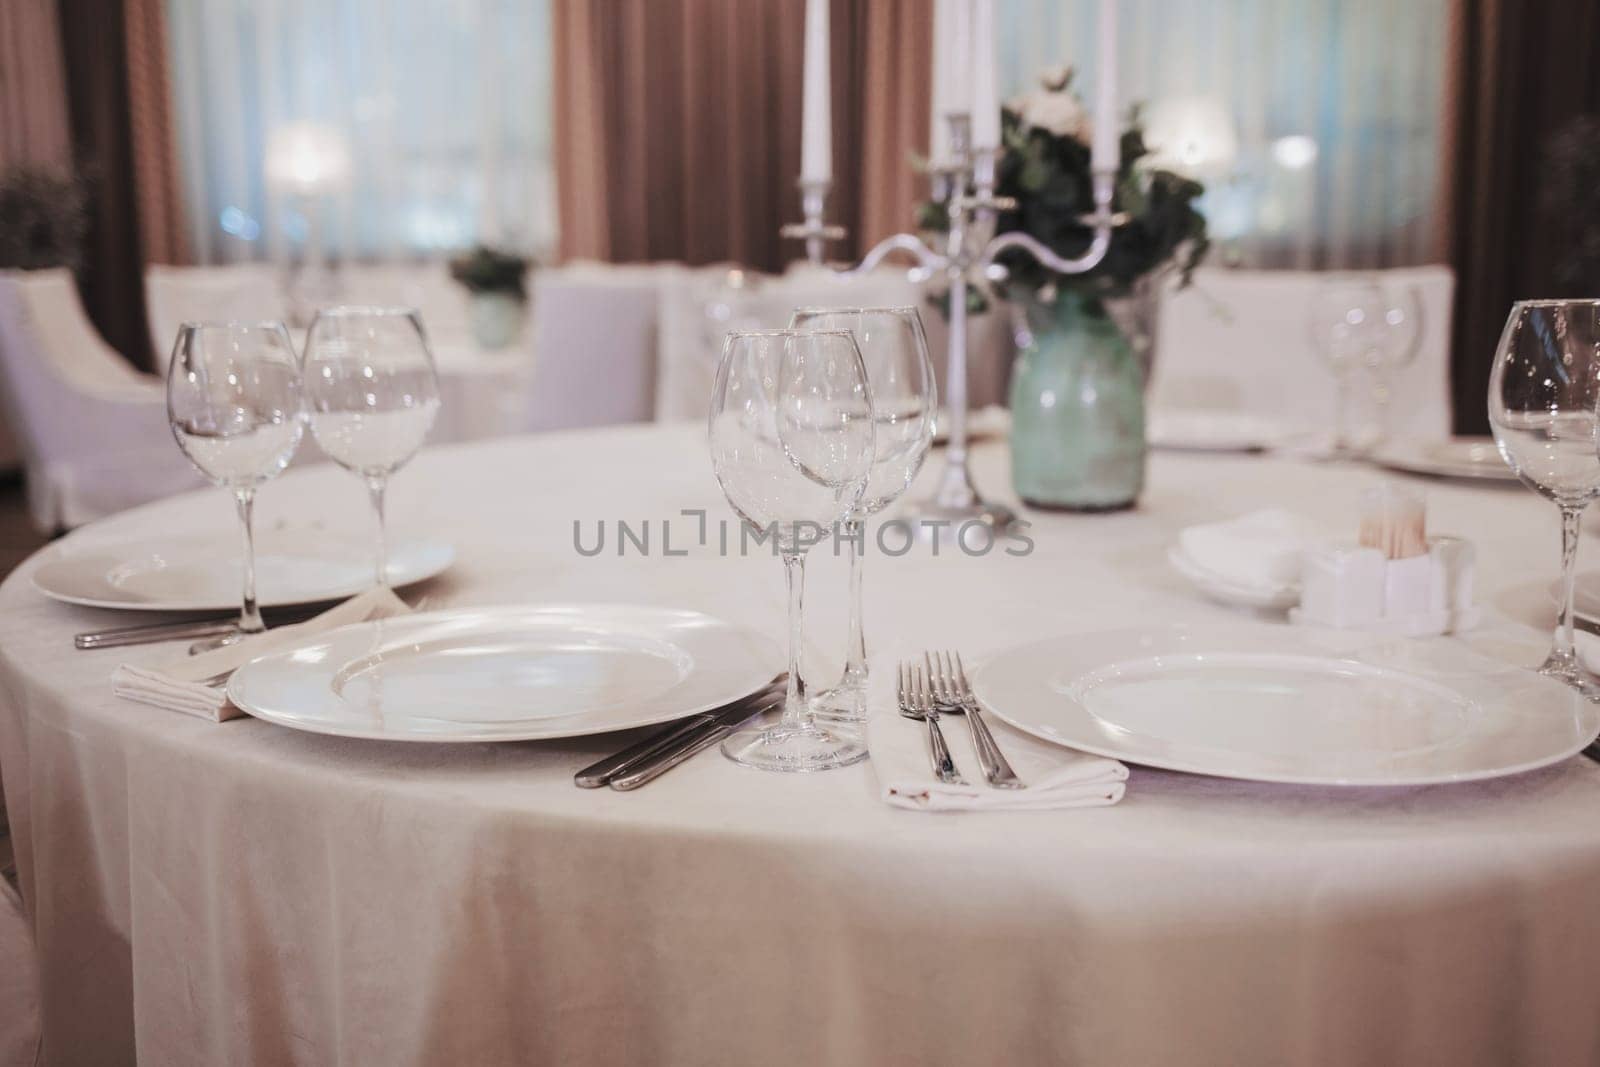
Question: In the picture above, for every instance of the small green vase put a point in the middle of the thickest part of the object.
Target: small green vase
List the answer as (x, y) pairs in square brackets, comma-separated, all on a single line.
[(1077, 409)]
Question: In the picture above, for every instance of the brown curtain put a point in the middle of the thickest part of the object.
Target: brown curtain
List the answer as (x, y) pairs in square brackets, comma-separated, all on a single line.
[(33, 94), (897, 64), (1524, 67), (156, 182), (121, 131), (677, 124)]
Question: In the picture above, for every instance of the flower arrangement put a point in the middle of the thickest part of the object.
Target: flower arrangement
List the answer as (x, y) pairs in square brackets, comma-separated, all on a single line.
[(492, 270), (44, 217), (1045, 168)]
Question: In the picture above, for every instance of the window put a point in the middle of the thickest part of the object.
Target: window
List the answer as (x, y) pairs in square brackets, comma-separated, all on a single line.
[(1327, 113), (437, 113)]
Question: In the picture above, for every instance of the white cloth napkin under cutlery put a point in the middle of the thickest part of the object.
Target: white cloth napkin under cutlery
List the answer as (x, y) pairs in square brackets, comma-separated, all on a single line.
[(1055, 777), (182, 685)]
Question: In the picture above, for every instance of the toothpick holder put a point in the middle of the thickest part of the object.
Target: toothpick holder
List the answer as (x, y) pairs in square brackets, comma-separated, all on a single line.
[(1356, 588)]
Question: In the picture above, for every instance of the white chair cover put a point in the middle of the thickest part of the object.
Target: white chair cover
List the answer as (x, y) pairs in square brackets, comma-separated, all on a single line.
[(19, 983), (243, 292), (700, 306), (594, 346), (1239, 340), (93, 430), (427, 287)]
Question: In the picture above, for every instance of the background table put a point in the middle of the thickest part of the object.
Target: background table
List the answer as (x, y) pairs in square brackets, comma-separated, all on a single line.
[(239, 893)]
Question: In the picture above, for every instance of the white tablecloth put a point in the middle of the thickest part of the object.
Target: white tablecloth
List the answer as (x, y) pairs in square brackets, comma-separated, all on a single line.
[(242, 893)]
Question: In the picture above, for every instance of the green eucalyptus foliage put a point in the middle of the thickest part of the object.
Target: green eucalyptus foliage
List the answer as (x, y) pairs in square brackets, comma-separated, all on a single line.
[(1047, 174), (491, 270)]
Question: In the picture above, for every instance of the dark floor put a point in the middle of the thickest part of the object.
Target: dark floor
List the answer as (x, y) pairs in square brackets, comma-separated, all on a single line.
[(18, 538)]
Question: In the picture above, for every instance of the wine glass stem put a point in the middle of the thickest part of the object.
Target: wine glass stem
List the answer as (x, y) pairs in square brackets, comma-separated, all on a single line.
[(796, 716), (376, 486), (1382, 395), (855, 668), (1341, 413), (250, 621), (1570, 521)]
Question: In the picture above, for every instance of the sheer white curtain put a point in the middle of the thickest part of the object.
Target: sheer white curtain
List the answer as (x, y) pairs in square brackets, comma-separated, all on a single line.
[(444, 106), (1334, 108)]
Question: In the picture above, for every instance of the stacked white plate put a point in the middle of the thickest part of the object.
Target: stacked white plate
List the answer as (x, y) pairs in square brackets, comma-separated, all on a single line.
[(1471, 458), (1288, 705), (508, 673), (294, 565), (1205, 430)]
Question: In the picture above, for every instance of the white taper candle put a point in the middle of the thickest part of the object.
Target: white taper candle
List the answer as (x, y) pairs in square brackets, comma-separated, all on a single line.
[(1106, 152), (816, 140), (985, 94), (952, 69)]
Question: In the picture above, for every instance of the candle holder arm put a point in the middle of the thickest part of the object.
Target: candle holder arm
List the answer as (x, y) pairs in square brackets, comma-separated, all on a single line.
[(928, 262), (1103, 221)]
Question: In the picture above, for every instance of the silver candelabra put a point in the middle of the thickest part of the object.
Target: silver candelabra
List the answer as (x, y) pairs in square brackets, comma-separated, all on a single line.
[(964, 184)]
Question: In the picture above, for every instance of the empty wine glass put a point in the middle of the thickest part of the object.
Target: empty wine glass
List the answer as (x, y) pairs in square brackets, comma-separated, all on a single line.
[(234, 402), (1346, 319), (791, 437), (1399, 341), (904, 398), (1542, 397), (372, 396)]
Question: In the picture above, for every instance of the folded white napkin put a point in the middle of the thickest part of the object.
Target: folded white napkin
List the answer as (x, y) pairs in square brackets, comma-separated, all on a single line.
[(1261, 549), (1055, 777), (181, 685)]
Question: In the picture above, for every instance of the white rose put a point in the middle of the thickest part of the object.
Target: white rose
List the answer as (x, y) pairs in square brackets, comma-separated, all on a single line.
[(1059, 113)]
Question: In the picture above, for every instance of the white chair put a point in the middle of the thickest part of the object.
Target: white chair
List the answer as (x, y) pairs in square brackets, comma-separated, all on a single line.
[(428, 287), (244, 292), (594, 348), (699, 306), (93, 430), (1239, 340), (19, 983)]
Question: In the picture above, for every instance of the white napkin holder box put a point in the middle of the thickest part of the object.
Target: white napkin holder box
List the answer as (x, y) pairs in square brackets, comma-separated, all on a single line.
[(1355, 588)]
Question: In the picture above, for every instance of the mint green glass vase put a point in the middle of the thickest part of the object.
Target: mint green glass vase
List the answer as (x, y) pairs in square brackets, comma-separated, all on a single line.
[(1077, 409)]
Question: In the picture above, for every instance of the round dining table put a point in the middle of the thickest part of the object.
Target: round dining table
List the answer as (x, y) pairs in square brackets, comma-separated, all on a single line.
[(240, 892)]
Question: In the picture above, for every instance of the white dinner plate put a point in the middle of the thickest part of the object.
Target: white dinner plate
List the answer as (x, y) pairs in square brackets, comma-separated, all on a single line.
[(1278, 705), (1474, 458), (294, 565), (1227, 591), (1200, 430), (507, 673)]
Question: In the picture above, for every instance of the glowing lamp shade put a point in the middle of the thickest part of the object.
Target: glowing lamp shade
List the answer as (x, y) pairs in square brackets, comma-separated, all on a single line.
[(307, 158), (1192, 135)]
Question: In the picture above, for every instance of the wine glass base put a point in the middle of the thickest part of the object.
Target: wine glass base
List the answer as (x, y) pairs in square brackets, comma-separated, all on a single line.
[(797, 750), (927, 513), (1568, 670), (211, 644), (845, 703)]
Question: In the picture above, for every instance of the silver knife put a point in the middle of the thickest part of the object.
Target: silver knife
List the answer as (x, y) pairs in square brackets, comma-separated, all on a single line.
[(151, 632), (602, 772), (696, 740)]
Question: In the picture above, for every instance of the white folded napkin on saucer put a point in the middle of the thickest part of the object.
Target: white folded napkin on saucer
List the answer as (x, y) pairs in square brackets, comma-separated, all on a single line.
[(1261, 549), (181, 685), (1054, 777)]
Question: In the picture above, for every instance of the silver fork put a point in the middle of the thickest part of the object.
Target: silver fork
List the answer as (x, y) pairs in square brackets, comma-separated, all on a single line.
[(916, 702), (952, 692)]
